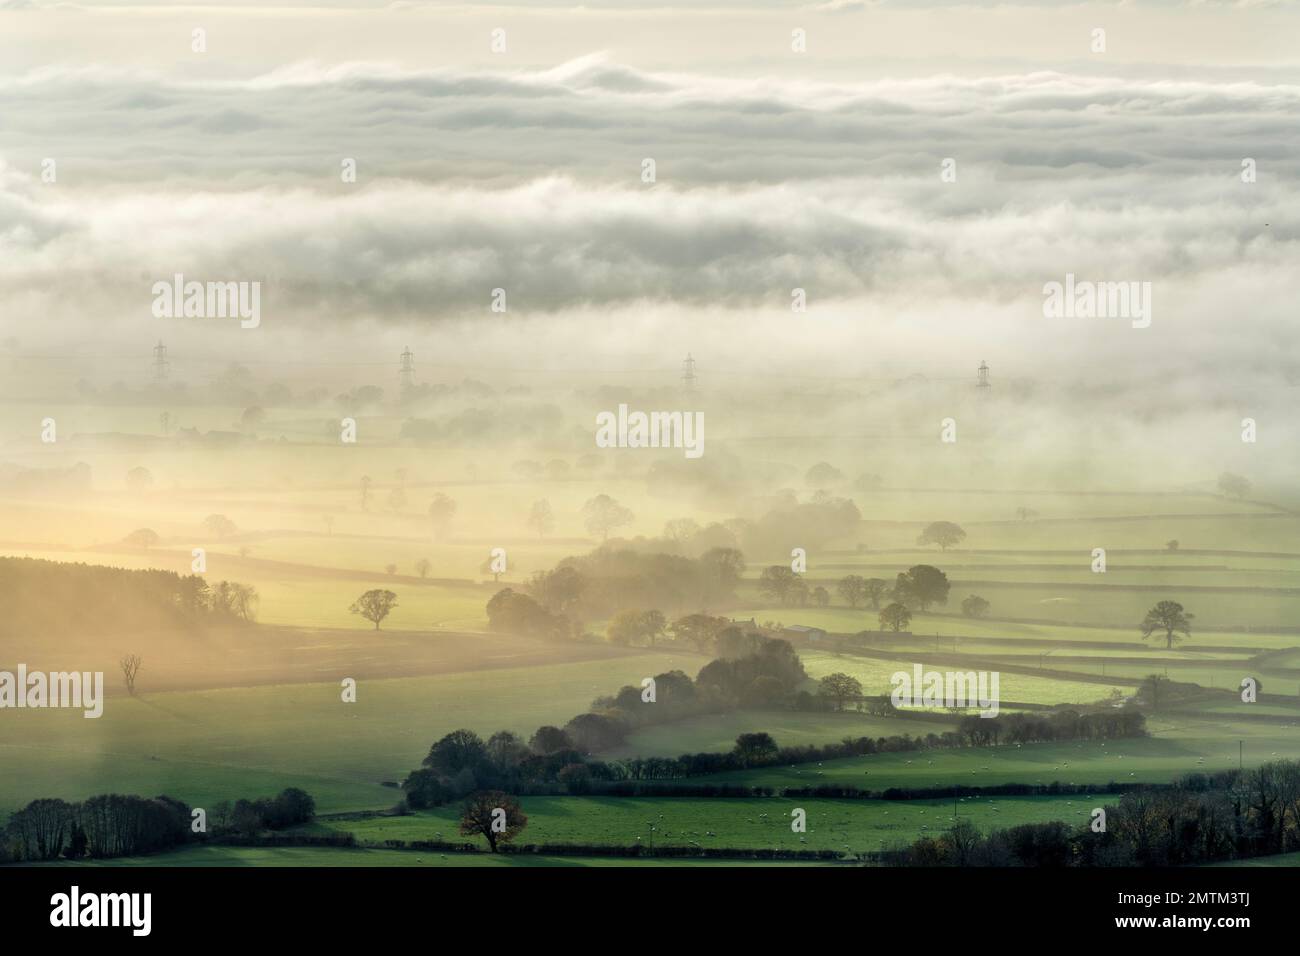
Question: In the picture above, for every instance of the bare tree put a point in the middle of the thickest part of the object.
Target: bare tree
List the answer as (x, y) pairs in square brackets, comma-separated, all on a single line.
[(130, 668)]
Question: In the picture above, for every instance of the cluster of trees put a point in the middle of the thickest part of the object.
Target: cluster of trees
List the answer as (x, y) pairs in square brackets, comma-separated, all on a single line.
[(114, 825), (811, 523), (751, 671), (1159, 692), (779, 583), (54, 597), (688, 538), (857, 590), (916, 589), (288, 808), (636, 588), (108, 825), (1201, 819), (705, 632), (442, 509), (462, 763), (228, 600), (512, 612), (615, 578), (636, 627), (1023, 728)]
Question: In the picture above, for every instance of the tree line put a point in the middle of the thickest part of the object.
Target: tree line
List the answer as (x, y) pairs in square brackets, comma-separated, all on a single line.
[(115, 825), (1202, 818), (462, 763), (759, 749), (56, 597)]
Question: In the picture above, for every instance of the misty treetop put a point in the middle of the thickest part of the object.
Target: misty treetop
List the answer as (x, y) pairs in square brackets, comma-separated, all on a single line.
[(613, 581)]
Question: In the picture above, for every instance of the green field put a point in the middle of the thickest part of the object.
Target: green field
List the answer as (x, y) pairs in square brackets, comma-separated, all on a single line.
[(751, 823), (875, 677), (1196, 522), (205, 746), (1172, 750), (717, 732), (940, 629), (331, 857)]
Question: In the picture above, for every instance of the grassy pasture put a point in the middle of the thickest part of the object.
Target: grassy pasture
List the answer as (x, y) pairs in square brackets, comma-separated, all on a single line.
[(205, 746), (996, 509), (1085, 603), (875, 677), (359, 857), (748, 823), (1219, 674), (1055, 654), (1173, 750), (450, 559), (1207, 525), (936, 626), (325, 603), (717, 732)]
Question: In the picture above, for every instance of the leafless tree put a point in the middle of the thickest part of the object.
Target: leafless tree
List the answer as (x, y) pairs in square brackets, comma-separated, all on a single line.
[(130, 668)]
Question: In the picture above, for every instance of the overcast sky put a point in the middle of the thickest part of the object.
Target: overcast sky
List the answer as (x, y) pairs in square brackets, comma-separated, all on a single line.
[(775, 170)]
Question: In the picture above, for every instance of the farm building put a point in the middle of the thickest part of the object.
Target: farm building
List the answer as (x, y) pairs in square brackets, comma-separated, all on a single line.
[(801, 632)]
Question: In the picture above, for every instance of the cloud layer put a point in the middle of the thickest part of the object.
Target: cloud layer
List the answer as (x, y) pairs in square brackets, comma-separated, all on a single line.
[(531, 181)]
